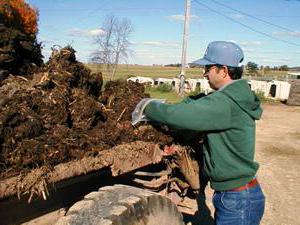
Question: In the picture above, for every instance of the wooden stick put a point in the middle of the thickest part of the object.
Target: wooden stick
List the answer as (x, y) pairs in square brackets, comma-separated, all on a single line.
[(121, 114)]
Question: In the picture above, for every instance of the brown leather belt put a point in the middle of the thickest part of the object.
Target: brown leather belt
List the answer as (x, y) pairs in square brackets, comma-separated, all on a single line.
[(251, 184)]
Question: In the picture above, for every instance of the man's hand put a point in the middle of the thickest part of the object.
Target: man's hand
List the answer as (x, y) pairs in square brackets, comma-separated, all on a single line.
[(138, 113)]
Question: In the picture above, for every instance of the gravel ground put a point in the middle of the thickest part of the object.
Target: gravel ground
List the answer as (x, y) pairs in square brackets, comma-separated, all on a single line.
[(278, 152)]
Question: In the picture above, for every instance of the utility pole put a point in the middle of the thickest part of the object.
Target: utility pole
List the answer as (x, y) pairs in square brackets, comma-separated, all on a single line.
[(184, 46)]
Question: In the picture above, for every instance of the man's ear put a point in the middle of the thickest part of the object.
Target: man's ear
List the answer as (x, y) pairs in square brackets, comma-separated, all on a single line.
[(224, 71)]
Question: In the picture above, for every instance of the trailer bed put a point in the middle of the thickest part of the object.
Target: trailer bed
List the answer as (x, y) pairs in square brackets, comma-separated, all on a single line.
[(120, 159)]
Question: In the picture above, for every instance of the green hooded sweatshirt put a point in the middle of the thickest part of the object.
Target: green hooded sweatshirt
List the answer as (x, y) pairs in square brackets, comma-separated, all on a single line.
[(227, 117)]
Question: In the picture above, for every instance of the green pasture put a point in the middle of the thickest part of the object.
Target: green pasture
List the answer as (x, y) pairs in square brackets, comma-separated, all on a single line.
[(170, 96), (126, 71)]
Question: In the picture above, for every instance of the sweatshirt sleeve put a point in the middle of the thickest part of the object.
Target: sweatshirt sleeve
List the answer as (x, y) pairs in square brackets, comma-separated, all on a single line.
[(212, 112)]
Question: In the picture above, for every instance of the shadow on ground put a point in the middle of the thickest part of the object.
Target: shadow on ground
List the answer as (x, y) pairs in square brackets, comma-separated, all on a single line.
[(202, 216)]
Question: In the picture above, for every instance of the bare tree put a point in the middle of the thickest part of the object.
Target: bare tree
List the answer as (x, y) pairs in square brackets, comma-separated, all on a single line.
[(113, 44)]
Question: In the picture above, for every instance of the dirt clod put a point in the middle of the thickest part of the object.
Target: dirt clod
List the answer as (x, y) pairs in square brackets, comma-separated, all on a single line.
[(61, 114)]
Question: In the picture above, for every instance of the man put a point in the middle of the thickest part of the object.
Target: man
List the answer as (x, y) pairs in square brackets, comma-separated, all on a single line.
[(227, 117)]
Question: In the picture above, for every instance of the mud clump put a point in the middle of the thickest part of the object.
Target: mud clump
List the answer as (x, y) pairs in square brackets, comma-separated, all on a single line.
[(61, 114), (85, 112), (19, 53), (294, 95)]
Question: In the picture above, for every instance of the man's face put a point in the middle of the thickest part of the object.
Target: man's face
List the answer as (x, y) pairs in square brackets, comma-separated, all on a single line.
[(214, 75)]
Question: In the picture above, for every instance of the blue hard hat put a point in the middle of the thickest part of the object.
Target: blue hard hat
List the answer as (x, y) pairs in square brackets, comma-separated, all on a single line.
[(222, 53)]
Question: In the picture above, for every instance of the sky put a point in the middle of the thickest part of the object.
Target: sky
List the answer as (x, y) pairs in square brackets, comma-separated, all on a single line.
[(268, 31)]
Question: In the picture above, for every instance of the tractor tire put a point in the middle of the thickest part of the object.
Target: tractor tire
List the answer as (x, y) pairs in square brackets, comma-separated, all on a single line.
[(122, 205)]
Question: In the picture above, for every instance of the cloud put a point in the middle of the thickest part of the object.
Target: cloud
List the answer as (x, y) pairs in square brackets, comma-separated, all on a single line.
[(85, 33), (133, 42), (95, 32), (279, 52), (278, 61), (234, 41), (248, 46), (287, 34), (154, 55), (237, 16), (180, 18), (247, 43), (249, 50), (142, 51), (149, 58), (50, 41), (250, 43), (162, 44), (263, 59), (50, 28)]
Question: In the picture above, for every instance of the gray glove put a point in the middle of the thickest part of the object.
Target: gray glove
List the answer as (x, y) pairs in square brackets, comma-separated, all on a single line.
[(138, 113)]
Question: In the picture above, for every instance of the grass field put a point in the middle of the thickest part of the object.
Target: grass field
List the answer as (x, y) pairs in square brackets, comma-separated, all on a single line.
[(125, 71), (171, 97)]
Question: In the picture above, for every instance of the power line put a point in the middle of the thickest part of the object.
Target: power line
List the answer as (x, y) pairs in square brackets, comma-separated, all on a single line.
[(247, 26), (267, 16), (253, 17), (278, 16), (93, 11)]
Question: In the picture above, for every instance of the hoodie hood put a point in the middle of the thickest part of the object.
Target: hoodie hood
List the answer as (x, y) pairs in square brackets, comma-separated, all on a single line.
[(240, 92)]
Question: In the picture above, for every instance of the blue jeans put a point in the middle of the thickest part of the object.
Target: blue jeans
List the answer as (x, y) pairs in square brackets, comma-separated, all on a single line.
[(239, 207)]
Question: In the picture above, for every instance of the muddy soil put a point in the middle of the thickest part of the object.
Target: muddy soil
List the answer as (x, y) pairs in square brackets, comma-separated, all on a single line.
[(20, 53), (63, 114), (278, 152)]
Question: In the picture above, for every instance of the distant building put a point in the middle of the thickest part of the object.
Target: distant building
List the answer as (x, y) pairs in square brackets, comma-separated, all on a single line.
[(142, 80), (294, 75)]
